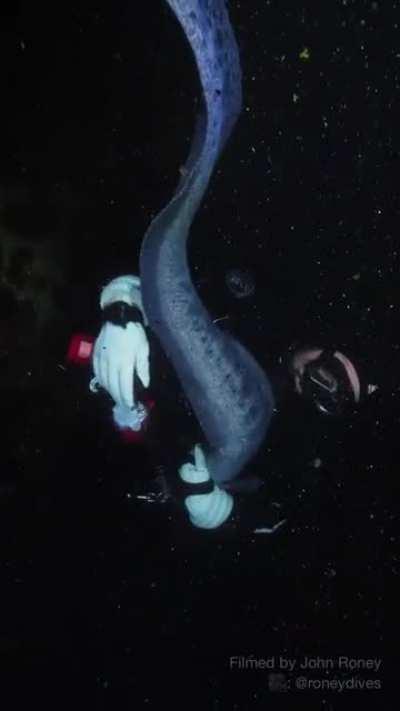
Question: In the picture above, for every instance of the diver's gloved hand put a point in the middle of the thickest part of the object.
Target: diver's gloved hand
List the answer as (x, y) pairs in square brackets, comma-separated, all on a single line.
[(122, 350), (119, 353), (208, 510)]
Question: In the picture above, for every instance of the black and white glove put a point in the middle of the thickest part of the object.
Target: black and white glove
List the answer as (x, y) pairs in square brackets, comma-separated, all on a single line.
[(121, 350), (206, 510)]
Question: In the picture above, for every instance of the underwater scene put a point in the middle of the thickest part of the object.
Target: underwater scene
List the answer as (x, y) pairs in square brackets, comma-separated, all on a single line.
[(199, 343)]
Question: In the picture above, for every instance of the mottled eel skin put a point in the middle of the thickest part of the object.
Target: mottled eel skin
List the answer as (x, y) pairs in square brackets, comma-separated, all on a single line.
[(228, 391)]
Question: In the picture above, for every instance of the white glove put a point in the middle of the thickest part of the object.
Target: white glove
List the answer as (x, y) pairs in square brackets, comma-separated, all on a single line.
[(118, 353), (205, 510)]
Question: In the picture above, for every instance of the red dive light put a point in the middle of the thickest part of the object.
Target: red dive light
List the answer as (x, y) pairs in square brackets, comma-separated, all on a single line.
[(80, 349)]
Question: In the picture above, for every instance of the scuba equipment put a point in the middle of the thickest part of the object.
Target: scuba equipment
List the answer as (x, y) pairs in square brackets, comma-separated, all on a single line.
[(331, 383)]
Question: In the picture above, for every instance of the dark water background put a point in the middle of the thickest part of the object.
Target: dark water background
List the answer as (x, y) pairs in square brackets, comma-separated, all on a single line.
[(100, 593)]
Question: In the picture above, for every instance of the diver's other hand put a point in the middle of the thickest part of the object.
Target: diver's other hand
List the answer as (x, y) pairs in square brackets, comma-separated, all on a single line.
[(198, 472), (119, 352), (207, 510)]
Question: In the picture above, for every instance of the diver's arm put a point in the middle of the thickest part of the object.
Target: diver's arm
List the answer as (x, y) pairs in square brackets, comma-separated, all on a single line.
[(121, 350), (123, 290)]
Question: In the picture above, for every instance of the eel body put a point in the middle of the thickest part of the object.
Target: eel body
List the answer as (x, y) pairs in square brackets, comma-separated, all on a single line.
[(227, 389)]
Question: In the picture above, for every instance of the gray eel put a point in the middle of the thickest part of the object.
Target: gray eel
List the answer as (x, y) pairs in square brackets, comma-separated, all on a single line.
[(227, 389)]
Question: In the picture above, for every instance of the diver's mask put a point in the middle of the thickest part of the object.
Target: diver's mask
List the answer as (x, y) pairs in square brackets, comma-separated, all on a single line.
[(325, 382)]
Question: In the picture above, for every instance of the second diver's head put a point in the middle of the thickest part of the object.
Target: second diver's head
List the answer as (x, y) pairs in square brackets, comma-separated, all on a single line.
[(326, 378)]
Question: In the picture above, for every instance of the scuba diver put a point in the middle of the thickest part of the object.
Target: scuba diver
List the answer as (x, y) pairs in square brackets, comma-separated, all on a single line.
[(120, 357)]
